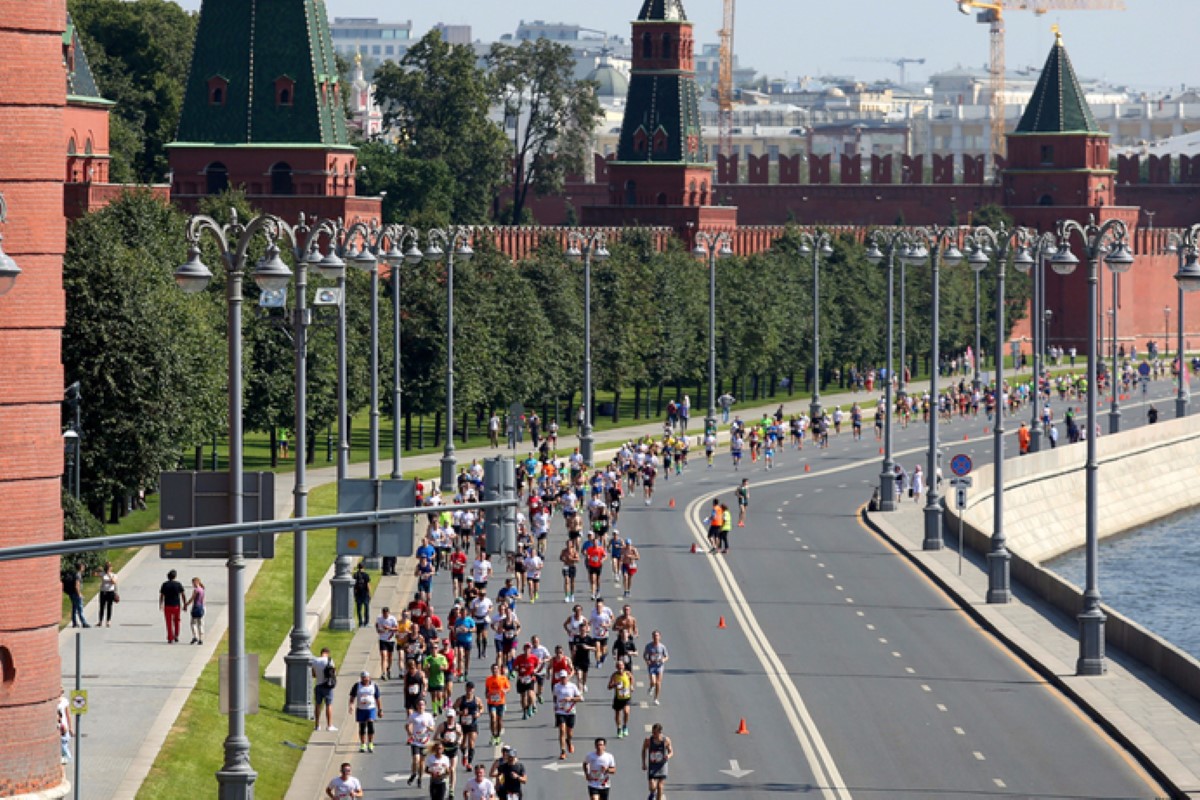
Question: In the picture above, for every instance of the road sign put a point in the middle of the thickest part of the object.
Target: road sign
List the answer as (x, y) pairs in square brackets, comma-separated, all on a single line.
[(960, 485), (79, 704), (1144, 369), (961, 465)]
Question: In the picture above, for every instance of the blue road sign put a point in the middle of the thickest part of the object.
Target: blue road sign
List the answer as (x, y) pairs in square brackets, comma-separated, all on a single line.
[(961, 465)]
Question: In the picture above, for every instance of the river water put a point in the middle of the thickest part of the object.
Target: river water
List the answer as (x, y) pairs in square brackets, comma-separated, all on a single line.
[(1151, 575)]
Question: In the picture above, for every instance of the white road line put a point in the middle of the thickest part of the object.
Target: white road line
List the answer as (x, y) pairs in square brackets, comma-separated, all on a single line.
[(910, 670), (896, 655), (870, 627), (822, 566), (882, 640), (862, 614), (926, 687), (648, 727), (839, 588), (941, 707), (826, 775), (999, 783), (849, 599), (960, 731), (979, 756)]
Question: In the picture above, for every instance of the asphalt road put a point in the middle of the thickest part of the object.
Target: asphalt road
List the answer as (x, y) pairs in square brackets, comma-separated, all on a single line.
[(856, 678)]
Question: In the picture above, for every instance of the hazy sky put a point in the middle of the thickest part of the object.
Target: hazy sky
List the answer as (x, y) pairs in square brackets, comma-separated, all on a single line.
[(814, 37)]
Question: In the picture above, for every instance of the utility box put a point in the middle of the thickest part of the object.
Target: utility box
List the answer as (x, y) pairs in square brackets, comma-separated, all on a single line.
[(390, 539), (201, 499), (500, 483)]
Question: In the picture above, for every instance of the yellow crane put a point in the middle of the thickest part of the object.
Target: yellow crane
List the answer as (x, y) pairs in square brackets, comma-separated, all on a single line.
[(725, 84), (991, 13)]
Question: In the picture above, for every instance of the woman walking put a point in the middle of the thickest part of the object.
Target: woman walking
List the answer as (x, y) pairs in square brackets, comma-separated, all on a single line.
[(108, 594), (196, 602)]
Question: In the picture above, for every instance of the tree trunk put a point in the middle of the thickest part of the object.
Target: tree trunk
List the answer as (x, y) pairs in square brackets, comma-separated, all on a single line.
[(637, 401), (421, 433), (791, 383), (437, 428), (616, 415), (199, 457), (407, 430), (466, 431), (659, 403), (310, 448), (114, 511), (754, 385)]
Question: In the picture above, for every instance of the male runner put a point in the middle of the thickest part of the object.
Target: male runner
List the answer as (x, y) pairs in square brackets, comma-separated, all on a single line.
[(497, 687), (656, 752), (621, 682), (656, 657), (419, 728), (566, 696), (743, 501), (598, 768), (469, 707), (570, 561), (386, 626)]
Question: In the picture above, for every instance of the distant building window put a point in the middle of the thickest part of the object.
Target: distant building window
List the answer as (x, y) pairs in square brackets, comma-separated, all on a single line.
[(216, 178), (667, 46), (376, 50), (640, 140), (71, 149), (218, 90), (647, 46), (390, 49), (87, 147), (285, 91), (1047, 155), (281, 179)]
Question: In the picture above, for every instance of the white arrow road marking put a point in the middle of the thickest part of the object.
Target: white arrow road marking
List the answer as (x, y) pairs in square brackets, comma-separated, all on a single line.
[(393, 778), (557, 766), (735, 770)]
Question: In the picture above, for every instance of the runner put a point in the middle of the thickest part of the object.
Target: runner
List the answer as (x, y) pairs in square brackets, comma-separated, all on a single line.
[(366, 704), (743, 501), (629, 565), (344, 785), (656, 752), (480, 787), (570, 560), (386, 626), (419, 728), (615, 546), (509, 774), (566, 696), (714, 520), (621, 682), (538, 650), (598, 768), (526, 666), (436, 667), (533, 572), (468, 708), (414, 685), (735, 449), (464, 640), (656, 657), (710, 447), (600, 622), (450, 736), (458, 568), (497, 686), (481, 610), (440, 770), (481, 571), (593, 555)]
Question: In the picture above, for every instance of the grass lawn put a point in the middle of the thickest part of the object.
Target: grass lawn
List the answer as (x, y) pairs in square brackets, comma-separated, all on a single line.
[(186, 765)]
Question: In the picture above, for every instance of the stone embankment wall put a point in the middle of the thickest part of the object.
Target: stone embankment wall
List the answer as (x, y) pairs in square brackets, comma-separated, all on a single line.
[(1144, 474)]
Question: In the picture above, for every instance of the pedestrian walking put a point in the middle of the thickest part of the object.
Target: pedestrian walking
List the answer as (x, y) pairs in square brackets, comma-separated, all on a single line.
[(170, 602), (324, 673), (196, 603), (918, 484), (65, 729), (362, 595), (108, 595), (72, 584)]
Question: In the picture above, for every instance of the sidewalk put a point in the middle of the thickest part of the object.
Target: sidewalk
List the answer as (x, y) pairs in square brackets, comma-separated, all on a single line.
[(138, 683), (1155, 722)]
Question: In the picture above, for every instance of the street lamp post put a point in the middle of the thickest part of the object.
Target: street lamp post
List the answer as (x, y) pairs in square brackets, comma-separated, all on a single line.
[(816, 244), (449, 243), (888, 241), (8, 268), (935, 245), (395, 256), (712, 246), (1000, 243), (1095, 239), (1167, 330), (1114, 412), (1185, 246), (236, 777), (1039, 249), (586, 247), (975, 382), (341, 584)]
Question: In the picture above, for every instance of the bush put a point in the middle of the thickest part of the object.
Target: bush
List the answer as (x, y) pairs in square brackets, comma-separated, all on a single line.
[(79, 523)]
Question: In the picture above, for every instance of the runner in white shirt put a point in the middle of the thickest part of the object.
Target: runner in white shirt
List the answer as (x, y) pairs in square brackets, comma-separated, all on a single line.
[(601, 620), (440, 770), (344, 786), (386, 626), (419, 728), (480, 787), (481, 572), (481, 610), (533, 574), (566, 696), (543, 656), (598, 769)]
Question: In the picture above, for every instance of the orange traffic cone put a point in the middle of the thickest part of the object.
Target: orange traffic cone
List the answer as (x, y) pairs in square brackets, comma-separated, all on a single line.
[(742, 729), (721, 622), (672, 503), (807, 468), (693, 547), (965, 438), (985, 429), (881, 451)]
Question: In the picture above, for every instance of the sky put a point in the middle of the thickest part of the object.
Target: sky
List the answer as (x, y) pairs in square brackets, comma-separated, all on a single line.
[(797, 38)]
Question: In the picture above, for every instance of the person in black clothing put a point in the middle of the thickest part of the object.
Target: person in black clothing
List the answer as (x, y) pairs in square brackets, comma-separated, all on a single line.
[(362, 595), (170, 601), (509, 775)]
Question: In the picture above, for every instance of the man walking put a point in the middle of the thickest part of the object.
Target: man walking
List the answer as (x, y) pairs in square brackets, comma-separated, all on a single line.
[(72, 583), (170, 602)]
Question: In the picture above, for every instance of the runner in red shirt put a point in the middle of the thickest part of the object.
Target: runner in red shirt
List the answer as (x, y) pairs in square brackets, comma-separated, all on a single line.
[(526, 666), (559, 664), (458, 569)]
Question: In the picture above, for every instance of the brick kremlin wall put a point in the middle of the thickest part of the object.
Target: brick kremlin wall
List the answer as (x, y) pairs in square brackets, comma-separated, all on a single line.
[(32, 100)]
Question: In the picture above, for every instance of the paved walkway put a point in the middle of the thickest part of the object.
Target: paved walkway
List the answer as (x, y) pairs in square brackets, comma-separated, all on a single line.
[(138, 683), (1156, 722)]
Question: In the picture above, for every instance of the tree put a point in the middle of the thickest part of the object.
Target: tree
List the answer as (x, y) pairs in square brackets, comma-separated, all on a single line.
[(139, 53), (147, 356), (551, 115), (436, 102)]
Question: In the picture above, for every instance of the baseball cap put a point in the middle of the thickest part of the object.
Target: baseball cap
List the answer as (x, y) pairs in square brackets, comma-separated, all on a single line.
[(450, 712), (562, 673), (364, 674)]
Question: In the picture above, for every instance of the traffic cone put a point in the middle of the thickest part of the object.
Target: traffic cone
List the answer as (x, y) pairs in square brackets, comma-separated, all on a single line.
[(672, 503), (985, 429), (881, 451), (742, 729), (965, 439), (721, 622), (694, 547), (807, 468)]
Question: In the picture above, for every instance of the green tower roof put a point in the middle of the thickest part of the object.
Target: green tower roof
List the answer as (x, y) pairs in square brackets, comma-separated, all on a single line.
[(263, 72), (662, 11), (81, 84), (1058, 104)]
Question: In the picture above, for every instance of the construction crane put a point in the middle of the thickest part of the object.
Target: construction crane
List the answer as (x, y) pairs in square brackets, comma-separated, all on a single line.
[(725, 84), (899, 62), (991, 13)]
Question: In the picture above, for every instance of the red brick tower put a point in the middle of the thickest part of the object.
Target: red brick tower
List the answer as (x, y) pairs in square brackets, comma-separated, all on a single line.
[(263, 110), (32, 99), (660, 175), (1058, 168)]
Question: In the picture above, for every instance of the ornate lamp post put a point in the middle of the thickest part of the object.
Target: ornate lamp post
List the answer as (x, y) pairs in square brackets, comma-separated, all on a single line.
[(1096, 240), (586, 247), (1040, 249), (395, 256), (1185, 246), (983, 243), (888, 242), (935, 245), (1114, 411), (236, 777), (816, 245), (449, 243), (712, 246)]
